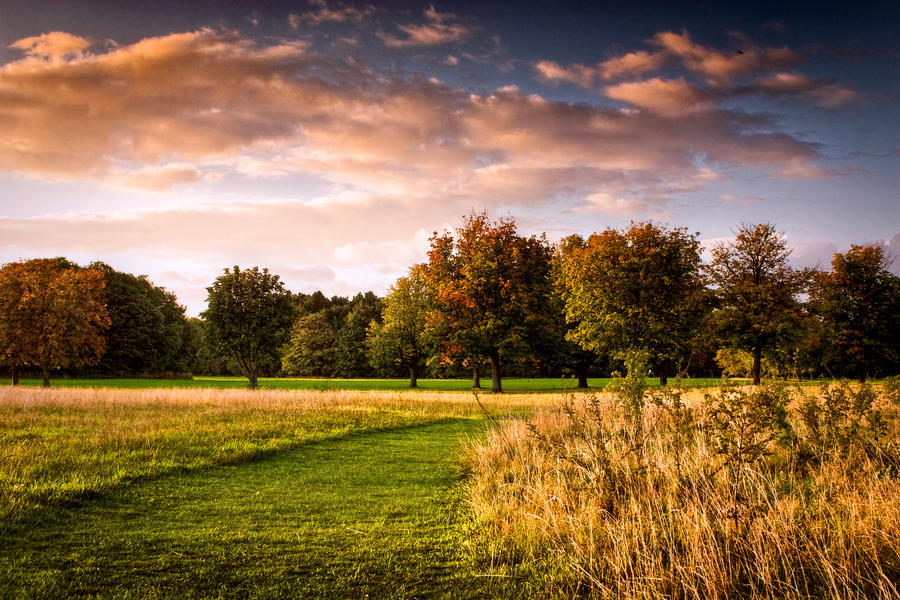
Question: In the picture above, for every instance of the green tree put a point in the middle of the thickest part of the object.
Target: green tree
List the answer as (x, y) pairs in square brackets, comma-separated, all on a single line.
[(491, 291), (312, 350), (249, 316), (148, 329), (634, 290), (757, 291), (859, 304), (402, 338), (53, 315), (352, 358)]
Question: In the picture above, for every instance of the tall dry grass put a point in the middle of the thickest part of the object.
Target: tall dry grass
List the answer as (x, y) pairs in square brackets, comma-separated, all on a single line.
[(582, 501), (58, 445)]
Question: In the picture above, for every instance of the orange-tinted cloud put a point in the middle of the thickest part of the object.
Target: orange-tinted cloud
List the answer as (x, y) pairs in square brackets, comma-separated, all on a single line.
[(439, 28), (673, 97), (721, 66), (190, 107), (632, 64), (52, 45)]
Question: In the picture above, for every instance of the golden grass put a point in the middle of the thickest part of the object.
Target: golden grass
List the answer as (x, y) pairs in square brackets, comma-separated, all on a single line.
[(573, 506)]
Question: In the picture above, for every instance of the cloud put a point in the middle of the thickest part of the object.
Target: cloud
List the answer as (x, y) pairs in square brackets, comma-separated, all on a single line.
[(824, 93), (628, 65), (439, 28), (55, 44), (322, 12), (192, 107), (673, 97), (719, 66)]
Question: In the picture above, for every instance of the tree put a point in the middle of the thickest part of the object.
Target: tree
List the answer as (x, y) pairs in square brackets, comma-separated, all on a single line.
[(311, 351), (859, 304), (491, 291), (249, 315), (756, 290), (352, 359), (402, 337), (148, 332), (53, 315), (634, 290)]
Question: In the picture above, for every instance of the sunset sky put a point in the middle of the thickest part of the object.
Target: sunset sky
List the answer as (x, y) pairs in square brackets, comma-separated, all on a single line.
[(328, 140)]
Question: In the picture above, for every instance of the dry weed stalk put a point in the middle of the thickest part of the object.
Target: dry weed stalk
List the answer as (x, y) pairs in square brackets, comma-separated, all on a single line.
[(722, 496)]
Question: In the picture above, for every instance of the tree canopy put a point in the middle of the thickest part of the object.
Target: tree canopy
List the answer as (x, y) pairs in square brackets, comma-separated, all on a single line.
[(148, 333), (491, 290), (859, 304), (249, 315), (756, 289), (52, 315), (403, 338), (633, 290)]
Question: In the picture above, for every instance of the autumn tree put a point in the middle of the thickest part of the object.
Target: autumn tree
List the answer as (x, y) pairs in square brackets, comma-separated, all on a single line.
[(249, 316), (491, 291), (756, 289), (402, 338), (859, 304), (637, 290), (53, 315)]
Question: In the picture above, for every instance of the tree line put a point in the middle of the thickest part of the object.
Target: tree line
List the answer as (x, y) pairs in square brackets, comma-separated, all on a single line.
[(486, 301)]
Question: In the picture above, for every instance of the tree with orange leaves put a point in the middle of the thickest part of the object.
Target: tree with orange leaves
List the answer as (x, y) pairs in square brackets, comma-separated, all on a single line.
[(491, 291), (635, 290), (52, 315)]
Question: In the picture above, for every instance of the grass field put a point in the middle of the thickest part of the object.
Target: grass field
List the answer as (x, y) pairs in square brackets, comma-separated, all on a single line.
[(231, 493), (521, 386), (223, 493)]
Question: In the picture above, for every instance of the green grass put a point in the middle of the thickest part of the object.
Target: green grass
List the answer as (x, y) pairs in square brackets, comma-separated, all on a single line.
[(289, 383), (369, 515), (154, 493)]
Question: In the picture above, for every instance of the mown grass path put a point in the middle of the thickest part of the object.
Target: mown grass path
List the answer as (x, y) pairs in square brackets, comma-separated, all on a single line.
[(370, 515)]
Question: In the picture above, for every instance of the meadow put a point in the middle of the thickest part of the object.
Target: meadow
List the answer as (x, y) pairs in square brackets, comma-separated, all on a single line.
[(222, 493), (155, 493)]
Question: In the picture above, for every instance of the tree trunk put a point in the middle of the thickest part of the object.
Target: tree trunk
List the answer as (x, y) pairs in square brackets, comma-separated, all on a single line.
[(14, 372), (496, 386), (45, 372), (476, 378), (757, 364), (663, 375), (413, 376), (252, 378), (582, 377)]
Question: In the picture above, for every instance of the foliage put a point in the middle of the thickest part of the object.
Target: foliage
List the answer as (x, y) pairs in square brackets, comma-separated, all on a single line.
[(352, 359), (491, 289), (52, 314), (859, 304), (148, 333), (249, 315), (637, 289), (756, 290), (312, 350), (402, 338)]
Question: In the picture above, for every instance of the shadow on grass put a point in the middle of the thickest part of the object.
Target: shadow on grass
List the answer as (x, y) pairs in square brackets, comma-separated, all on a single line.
[(373, 513)]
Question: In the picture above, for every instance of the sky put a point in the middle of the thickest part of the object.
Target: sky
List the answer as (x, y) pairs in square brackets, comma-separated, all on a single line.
[(327, 141)]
